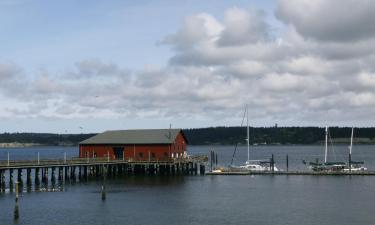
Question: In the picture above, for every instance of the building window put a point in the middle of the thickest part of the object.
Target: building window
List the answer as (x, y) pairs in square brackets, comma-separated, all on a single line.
[(140, 155), (153, 155), (165, 154)]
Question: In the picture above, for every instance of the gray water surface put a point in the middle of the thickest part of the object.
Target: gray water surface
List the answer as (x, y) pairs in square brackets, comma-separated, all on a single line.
[(264, 200)]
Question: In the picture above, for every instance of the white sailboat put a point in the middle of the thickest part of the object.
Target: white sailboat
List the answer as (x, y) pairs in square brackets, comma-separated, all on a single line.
[(326, 166), (254, 165), (354, 166)]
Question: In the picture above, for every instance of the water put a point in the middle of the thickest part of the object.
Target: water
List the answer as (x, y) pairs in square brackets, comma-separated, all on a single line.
[(205, 199)]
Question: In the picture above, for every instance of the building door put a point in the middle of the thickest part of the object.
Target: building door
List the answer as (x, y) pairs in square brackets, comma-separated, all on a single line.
[(119, 151)]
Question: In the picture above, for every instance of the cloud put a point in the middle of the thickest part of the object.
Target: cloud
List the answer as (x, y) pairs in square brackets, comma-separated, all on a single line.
[(243, 27), (333, 20), (301, 75)]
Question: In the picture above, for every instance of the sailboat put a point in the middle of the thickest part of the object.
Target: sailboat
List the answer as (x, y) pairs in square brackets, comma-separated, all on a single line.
[(326, 166), (353, 165), (255, 165)]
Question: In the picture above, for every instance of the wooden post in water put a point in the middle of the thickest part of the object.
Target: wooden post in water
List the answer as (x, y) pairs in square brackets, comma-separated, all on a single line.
[(46, 177), (53, 177), (11, 180), (272, 163), (60, 175), (85, 172), (19, 178), (16, 208), (66, 173), (103, 186), (2, 185), (201, 169), (79, 173), (36, 179), (28, 180), (287, 163)]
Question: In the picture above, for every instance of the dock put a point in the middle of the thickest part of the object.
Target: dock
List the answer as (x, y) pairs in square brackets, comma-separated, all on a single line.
[(297, 173), (51, 173)]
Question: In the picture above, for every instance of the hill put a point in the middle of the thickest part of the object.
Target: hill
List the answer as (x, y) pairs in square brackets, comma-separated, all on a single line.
[(211, 136)]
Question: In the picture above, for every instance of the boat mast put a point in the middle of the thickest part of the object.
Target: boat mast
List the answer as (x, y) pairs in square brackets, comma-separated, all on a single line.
[(326, 146), (351, 142), (248, 144)]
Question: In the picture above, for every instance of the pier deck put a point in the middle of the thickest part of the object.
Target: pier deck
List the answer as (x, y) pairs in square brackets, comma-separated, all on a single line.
[(40, 172)]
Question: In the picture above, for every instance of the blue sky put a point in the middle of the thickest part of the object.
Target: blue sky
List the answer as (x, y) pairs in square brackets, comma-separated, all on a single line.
[(54, 35), (106, 65)]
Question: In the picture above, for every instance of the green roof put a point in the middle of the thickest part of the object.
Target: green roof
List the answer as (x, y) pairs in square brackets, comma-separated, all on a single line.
[(150, 136)]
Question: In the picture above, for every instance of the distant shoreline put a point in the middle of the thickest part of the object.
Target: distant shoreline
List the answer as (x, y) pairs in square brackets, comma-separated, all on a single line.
[(29, 145), (268, 136)]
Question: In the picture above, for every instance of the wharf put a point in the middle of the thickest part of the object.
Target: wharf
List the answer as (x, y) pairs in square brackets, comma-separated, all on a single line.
[(298, 173), (43, 172)]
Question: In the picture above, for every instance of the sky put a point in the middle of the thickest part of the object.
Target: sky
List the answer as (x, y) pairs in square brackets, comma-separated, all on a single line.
[(90, 66)]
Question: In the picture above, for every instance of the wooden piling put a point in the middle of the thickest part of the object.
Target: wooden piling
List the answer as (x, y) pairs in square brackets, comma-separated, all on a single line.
[(45, 178), (202, 169), (2, 184), (19, 178), (60, 175), (53, 177), (11, 180), (28, 180), (16, 215), (36, 179)]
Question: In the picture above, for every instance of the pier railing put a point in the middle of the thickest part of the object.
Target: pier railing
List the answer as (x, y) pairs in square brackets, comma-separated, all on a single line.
[(84, 161)]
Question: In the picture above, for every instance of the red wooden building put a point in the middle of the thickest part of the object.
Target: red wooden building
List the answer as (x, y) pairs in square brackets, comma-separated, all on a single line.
[(136, 145)]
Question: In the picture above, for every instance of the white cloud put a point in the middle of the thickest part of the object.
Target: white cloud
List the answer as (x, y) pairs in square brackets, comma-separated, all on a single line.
[(300, 76), (333, 20)]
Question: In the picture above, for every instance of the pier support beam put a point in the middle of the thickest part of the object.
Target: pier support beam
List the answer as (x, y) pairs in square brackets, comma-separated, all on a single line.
[(45, 177), (28, 180), (2, 183), (60, 175), (202, 169), (85, 172), (53, 177), (37, 179), (11, 181), (19, 178)]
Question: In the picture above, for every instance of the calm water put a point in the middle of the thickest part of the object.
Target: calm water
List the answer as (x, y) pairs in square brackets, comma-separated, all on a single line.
[(206, 199)]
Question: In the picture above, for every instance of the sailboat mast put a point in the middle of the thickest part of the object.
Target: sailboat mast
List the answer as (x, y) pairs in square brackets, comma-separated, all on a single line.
[(351, 142), (326, 146), (248, 135)]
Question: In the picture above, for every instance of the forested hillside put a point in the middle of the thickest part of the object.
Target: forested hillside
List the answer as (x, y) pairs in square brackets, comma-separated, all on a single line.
[(276, 135), (219, 135)]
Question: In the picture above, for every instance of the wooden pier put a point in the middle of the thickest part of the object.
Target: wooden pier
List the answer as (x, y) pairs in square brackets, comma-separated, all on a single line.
[(49, 173)]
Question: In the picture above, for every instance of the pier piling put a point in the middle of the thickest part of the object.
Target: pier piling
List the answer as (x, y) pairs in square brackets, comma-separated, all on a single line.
[(37, 179), (16, 207), (11, 180), (2, 184), (28, 180)]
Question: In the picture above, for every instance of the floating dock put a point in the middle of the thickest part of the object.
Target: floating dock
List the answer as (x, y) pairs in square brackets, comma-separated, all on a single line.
[(306, 173)]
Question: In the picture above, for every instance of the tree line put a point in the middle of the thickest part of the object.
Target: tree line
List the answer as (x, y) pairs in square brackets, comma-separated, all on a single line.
[(217, 135), (275, 135)]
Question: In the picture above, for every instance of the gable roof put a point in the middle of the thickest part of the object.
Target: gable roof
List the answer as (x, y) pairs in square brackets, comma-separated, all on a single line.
[(149, 136)]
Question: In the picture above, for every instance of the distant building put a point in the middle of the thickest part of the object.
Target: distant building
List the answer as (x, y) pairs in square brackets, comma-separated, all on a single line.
[(136, 145)]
